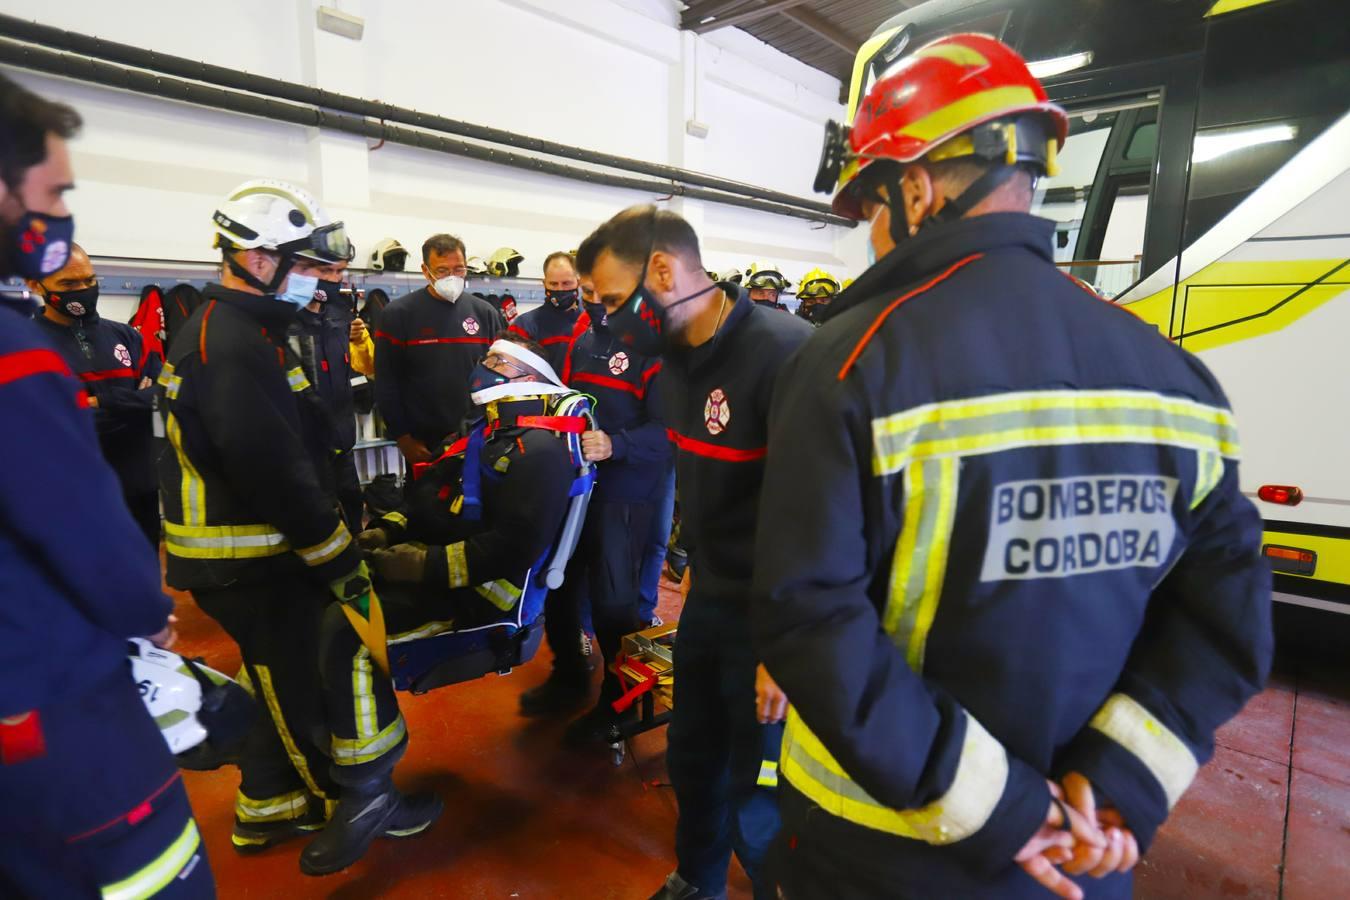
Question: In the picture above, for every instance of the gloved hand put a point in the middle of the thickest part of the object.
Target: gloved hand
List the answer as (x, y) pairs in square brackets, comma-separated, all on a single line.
[(354, 589), (372, 539), (402, 562)]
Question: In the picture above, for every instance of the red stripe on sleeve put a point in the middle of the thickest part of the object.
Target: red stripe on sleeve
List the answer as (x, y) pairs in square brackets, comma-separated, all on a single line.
[(14, 366), (107, 374)]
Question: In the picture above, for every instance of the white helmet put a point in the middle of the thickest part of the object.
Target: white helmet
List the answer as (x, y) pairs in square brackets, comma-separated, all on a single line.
[(191, 703), (274, 215)]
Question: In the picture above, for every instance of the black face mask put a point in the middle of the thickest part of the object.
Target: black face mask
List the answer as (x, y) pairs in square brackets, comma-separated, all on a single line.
[(640, 323), (76, 304), (483, 378), (328, 291), (599, 318), (562, 299)]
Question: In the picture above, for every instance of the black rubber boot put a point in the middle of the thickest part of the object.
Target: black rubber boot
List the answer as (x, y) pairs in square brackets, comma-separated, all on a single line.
[(558, 695), (676, 888), (367, 810)]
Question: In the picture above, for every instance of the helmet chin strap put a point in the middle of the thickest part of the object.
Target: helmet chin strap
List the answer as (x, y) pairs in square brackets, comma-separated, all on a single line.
[(952, 210), (284, 266)]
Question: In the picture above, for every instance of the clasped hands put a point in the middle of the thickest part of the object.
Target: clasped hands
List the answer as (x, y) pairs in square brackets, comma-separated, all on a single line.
[(1093, 841)]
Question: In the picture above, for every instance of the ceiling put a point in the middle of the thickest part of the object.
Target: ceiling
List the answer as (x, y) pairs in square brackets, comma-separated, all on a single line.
[(824, 34)]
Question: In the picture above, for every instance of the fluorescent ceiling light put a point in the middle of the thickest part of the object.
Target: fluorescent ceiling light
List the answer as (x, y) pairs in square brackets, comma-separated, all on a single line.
[(1048, 68), (1216, 144)]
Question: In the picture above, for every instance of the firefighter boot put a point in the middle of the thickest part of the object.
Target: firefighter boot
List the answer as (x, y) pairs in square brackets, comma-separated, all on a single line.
[(676, 888), (368, 809), (561, 693)]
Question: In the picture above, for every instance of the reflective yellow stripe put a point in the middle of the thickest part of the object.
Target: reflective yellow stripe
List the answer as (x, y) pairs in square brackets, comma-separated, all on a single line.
[(427, 630), (500, 593), (1129, 724), (223, 541), (284, 731), (170, 382), (768, 774), (920, 561), (1046, 418), (457, 565), (363, 750), (1208, 474), (151, 879), (272, 809), (981, 776), (363, 694), (297, 380), (959, 114), (192, 490), (396, 518), (329, 548)]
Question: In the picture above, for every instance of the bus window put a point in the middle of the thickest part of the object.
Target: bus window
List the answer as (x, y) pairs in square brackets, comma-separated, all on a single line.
[(1100, 196)]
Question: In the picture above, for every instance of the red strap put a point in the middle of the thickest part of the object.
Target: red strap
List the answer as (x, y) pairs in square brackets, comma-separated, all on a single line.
[(31, 362), (885, 313), (651, 372), (107, 374), (713, 451), (568, 424)]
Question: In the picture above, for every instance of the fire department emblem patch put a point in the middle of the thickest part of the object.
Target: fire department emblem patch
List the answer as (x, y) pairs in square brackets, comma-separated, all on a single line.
[(123, 355), (717, 412), (470, 325), (618, 363), (76, 308)]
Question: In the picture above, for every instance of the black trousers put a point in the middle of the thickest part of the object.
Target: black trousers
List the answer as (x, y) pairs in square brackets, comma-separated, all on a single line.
[(606, 567), (349, 495), (368, 732), (284, 762), (144, 507)]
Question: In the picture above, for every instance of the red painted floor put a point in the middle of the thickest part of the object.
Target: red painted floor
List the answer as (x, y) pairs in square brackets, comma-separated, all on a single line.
[(1268, 817)]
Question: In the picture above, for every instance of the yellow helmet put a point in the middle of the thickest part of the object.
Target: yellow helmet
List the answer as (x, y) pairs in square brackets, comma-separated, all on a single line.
[(818, 284), (765, 275), (505, 262)]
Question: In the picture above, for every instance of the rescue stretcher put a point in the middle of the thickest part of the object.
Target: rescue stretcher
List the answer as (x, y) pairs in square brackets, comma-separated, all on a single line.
[(646, 670)]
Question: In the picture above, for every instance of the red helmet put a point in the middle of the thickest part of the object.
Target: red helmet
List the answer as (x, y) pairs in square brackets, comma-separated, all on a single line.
[(934, 104)]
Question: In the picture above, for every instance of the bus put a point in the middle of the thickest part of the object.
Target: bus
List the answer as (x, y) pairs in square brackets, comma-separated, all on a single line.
[(1205, 185)]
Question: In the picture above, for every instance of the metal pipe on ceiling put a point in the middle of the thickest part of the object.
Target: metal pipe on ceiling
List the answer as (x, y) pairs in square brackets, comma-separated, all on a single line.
[(107, 74), (223, 77)]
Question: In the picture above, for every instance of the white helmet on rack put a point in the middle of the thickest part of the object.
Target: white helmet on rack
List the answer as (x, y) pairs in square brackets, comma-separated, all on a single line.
[(201, 713)]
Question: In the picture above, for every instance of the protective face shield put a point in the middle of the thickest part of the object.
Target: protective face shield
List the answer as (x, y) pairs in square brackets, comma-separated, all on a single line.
[(39, 244), (203, 715), (76, 304)]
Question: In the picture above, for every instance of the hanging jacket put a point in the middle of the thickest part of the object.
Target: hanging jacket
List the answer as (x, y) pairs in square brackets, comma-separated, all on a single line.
[(248, 487), (525, 476), (549, 327), (106, 356), (425, 350), (1008, 543), (180, 302), (716, 401), (626, 388), (321, 340), (76, 575), (150, 324)]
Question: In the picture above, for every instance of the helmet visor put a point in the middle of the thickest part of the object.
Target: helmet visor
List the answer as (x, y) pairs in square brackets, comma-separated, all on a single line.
[(328, 243)]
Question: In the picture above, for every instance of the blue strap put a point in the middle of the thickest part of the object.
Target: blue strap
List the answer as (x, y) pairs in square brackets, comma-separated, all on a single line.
[(583, 484), (473, 474)]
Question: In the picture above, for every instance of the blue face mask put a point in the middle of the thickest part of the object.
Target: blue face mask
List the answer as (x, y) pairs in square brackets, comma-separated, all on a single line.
[(299, 290), (871, 254), (39, 244)]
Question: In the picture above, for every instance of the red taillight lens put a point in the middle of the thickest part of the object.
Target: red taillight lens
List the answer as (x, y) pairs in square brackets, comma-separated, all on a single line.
[(1290, 560), (1283, 494), (1290, 553)]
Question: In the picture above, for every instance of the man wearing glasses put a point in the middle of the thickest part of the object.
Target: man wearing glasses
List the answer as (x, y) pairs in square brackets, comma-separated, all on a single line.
[(426, 346)]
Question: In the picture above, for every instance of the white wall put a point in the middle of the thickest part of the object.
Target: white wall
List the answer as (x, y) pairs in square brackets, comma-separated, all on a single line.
[(612, 75)]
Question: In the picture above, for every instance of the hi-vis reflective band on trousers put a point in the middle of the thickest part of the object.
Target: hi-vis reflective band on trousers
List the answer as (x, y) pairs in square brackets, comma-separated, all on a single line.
[(151, 879), (283, 728), (171, 383), (297, 380), (768, 774), (371, 741), (457, 564), (281, 808), (500, 593), (981, 775), (1133, 727), (927, 445)]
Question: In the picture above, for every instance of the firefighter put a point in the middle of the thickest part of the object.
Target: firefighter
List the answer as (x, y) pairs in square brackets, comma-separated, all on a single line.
[(456, 556), (766, 284), (551, 323), (1010, 560), (818, 290), (252, 526), (330, 342), (117, 375), (92, 798), (720, 355), (632, 457), (426, 346)]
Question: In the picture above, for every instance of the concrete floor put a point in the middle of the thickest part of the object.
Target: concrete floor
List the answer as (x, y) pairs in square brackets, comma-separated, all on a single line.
[(1268, 817)]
